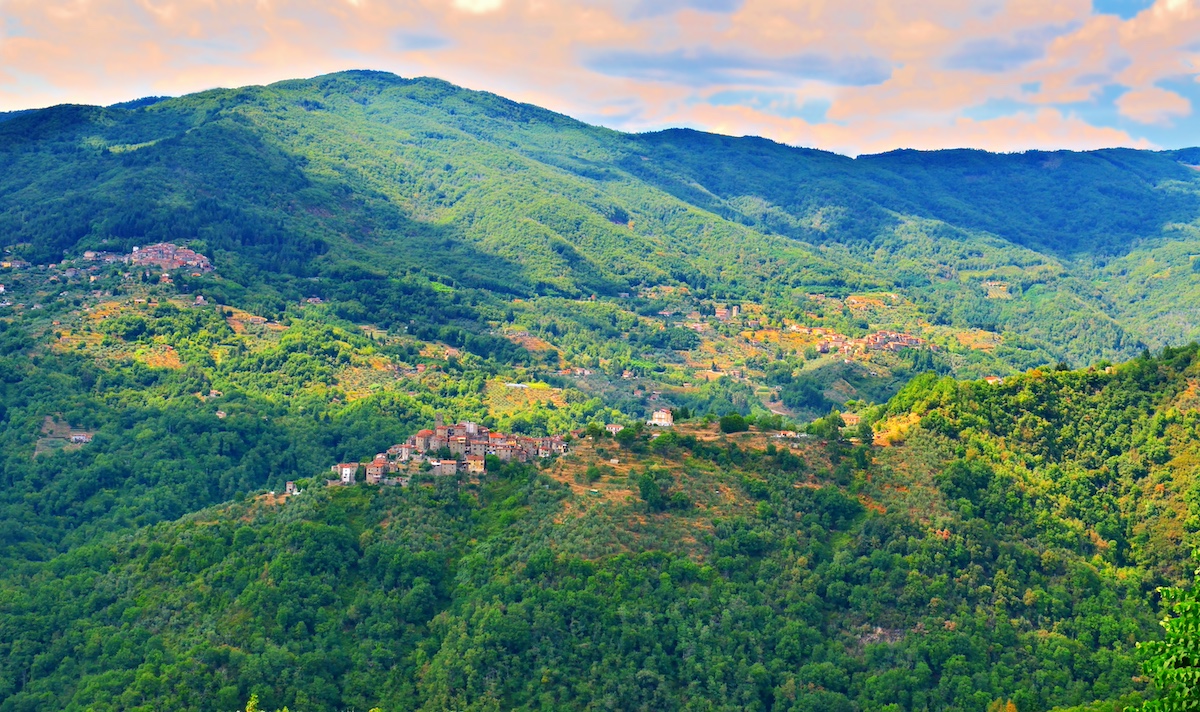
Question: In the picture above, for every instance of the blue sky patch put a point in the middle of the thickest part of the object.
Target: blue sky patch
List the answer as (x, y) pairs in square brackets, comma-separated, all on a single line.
[(1101, 111), (996, 55), (416, 42), (1125, 9), (812, 111), (654, 8), (707, 68)]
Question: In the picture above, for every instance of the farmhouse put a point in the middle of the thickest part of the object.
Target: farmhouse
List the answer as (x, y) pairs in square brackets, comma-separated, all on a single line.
[(662, 418)]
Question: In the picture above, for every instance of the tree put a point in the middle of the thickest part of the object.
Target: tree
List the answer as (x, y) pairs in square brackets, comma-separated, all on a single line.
[(655, 487), (733, 423), (652, 492), (252, 705), (829, 427), (1174, 662)]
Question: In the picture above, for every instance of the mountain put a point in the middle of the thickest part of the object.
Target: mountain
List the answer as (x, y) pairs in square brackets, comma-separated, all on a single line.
[(302, 178), (846, 516), (985, 553)]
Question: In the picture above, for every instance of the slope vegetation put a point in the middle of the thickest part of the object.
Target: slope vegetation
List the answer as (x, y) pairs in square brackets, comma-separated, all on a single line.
[(320, 179), (1005, 545)]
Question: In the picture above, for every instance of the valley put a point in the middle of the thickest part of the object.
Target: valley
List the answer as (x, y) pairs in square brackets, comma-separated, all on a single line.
[(925, 424)]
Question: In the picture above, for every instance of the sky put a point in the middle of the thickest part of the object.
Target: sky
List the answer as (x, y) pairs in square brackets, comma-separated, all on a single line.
[(853, 76)]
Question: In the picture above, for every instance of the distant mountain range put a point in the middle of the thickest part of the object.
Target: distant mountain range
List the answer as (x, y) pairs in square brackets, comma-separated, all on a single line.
[(902, 474), (369, 170)]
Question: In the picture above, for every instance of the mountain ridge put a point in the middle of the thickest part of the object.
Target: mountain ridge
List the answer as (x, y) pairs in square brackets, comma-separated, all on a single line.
[(885, 487)]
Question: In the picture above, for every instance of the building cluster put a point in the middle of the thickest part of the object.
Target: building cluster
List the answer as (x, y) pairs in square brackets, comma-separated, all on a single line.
[(447, 450), (163, 255), (167, 256), (725, 313), (107, 258), (879, 341)]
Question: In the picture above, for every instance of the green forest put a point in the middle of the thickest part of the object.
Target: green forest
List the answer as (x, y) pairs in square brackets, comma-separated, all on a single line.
[(935, 440)]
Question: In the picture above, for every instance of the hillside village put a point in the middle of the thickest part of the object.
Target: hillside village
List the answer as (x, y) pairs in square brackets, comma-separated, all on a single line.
[(163, 255), (832, 341), (157, 260), (447, 450), (462, 448)]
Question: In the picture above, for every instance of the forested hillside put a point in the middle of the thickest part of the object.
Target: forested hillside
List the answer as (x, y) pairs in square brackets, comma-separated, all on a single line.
[(905, 473), (1004, 544), (364, 176)]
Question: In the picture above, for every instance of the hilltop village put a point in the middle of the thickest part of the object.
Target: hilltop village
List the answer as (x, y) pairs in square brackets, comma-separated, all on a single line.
[(163, 255), (446, 450), (449, 450), (161, 258)]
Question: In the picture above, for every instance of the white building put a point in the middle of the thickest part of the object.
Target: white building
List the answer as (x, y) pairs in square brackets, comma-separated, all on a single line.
[(662, 418), (346, 472)]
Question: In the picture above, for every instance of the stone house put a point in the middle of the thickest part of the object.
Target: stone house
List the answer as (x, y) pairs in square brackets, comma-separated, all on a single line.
[(346, 472), (476, 464), (376, 469), (662, 418)]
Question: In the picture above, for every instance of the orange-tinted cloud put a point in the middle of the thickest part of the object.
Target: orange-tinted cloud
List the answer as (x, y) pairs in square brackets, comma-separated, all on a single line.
[(1153, 106), (855, 75)]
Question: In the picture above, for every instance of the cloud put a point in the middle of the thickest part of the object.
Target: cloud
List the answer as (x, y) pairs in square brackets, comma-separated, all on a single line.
[(417, 41), (478, 7), (1043, 129), (706, 67), (654, 8), (854, 75), (1154, 106), (783, 104), (1003, 54)]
